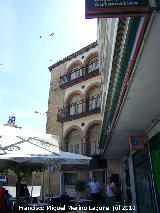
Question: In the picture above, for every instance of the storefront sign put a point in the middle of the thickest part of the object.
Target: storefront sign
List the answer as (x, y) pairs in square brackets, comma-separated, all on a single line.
[(136, 143), (115, 8)]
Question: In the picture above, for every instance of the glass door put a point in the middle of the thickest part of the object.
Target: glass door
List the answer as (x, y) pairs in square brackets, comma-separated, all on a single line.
[(154, 146), (145, 196)]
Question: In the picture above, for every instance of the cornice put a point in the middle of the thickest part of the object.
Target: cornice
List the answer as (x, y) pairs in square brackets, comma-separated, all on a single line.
[(73, 55)]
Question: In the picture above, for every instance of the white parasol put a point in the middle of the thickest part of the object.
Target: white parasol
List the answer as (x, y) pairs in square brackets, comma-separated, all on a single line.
[(22, 142), (25, 145)]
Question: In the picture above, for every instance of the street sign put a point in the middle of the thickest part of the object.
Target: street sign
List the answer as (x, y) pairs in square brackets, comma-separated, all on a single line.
[(115, 8), (136, 143)]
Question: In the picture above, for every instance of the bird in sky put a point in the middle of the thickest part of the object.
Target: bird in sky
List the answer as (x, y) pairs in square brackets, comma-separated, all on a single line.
[(51, 34), (40, 113), (1, 64)]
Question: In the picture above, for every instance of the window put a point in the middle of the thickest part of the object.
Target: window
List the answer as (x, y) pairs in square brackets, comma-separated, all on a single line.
[(95, 99), (94, 135), (94, 102), (70, 148), (76, 108), (75, 142), (70, 178), (76, 72), (77, 148), (93, 65)]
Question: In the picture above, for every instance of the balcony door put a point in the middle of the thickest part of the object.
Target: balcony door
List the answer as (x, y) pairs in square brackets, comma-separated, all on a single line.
[(93, 65), (75, 105), (143, 183), (94, 135), (76, 73), (75, 142), (95, 98)]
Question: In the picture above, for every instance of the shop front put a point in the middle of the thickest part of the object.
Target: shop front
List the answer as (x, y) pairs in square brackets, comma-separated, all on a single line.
[(70, 174), (146, 166)]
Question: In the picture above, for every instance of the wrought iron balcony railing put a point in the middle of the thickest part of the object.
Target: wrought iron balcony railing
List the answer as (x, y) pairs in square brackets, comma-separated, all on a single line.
[(80, 109), (79, 75), (87, 148)]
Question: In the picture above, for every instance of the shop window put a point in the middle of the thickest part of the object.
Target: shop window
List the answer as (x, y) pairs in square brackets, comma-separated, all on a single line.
[(154, 145), (143, 182), (70, 178)]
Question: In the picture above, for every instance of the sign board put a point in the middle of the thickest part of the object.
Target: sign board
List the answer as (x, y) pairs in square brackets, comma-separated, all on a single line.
[(115, 8), (136, 143)]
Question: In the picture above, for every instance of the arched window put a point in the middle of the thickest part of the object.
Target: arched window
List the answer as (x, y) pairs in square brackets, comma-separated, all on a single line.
[(93, 65), (94, 98), (76, 72), (75, 105), (75, 142), (94, 134)]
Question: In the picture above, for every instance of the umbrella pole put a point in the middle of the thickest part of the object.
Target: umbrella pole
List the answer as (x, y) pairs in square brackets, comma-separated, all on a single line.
[(42, 185), (49, 180), (32, 186)]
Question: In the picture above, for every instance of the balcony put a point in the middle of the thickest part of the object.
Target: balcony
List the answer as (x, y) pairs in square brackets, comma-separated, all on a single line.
[(80, 109), (79, 75), (87, 148)]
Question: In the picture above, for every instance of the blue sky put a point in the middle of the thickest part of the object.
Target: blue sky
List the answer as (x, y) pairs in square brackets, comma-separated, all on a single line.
[(25, 57)]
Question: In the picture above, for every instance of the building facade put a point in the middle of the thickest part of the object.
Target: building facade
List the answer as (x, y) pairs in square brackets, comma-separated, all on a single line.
[(129, 64), (74, 113)]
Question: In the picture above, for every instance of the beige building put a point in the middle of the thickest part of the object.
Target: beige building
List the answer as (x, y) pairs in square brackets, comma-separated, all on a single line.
[(74, 114)]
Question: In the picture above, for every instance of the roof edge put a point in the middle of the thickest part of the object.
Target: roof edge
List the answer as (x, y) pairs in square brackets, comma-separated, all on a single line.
[(69, 57)]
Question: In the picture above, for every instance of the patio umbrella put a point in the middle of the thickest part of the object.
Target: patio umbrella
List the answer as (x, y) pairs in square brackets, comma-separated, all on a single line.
[(25, 145), (22, 142), (28, 145), (49, 159)]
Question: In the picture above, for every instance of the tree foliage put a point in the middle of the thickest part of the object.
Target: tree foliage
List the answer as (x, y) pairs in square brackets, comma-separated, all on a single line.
[(22, 169)]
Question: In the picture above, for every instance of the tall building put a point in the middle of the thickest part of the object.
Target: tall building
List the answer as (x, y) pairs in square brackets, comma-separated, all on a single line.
[(74, 113), (129, 52)]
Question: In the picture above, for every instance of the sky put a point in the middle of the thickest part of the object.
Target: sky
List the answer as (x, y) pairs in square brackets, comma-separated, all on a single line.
[(25, 57)]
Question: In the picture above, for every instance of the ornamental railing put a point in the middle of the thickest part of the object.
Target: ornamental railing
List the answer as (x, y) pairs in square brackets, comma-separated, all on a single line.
[(86, 148), (79, 75), (80, 109)]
